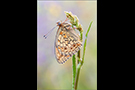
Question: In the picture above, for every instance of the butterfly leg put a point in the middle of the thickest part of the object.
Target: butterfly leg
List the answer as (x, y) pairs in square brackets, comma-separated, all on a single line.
[(66, 20), (74, 28)]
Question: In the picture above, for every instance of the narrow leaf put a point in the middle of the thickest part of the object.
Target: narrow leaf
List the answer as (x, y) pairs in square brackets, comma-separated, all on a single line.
[(85, 42), (88, 29)]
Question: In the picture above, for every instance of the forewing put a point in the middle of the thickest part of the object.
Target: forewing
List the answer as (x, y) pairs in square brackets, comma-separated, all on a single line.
[(67, 43), (59, 50)]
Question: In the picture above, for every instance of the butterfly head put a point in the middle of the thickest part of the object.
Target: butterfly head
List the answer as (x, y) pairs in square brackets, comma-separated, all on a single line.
[(59, 23)]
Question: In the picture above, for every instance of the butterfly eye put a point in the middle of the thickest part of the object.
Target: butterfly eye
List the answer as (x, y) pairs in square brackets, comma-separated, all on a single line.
[(59, 23)]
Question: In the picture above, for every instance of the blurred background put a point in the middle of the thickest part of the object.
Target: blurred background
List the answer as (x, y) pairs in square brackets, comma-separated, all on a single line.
[(50, 74)]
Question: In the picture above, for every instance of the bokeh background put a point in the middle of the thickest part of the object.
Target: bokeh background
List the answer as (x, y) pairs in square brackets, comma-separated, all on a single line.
[(50, 74)]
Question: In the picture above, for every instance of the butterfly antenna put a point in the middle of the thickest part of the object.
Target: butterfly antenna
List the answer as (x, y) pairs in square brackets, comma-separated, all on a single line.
[(46, 35)]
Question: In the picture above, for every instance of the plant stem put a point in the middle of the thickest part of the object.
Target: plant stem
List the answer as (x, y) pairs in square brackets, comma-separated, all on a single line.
[(81, 61), (78, 55), (75, 22), (74, 71), (77, 75)]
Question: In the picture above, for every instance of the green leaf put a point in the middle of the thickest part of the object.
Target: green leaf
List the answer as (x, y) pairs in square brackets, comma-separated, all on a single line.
[(84, 47), (88, 29)]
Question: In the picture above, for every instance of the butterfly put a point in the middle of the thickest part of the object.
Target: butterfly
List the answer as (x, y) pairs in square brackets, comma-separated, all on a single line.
[(67, 42)]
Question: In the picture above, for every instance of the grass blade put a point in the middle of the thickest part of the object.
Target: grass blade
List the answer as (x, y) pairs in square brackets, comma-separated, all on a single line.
[(85, 42)]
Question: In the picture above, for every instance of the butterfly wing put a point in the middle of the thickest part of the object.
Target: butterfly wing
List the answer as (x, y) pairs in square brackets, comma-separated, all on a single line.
[(67, 43)]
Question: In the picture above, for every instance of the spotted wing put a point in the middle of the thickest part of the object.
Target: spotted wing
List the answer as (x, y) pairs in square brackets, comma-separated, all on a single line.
[(67, 43)]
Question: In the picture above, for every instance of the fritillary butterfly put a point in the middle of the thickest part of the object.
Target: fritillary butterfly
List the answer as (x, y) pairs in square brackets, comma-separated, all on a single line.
[(67, 42)]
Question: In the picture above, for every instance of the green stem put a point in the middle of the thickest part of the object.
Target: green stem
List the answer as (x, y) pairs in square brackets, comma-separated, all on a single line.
[(81, 61), (74, 71), (77, 75), (75, 22), (78, 55), (79, 65), (84, 51)]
